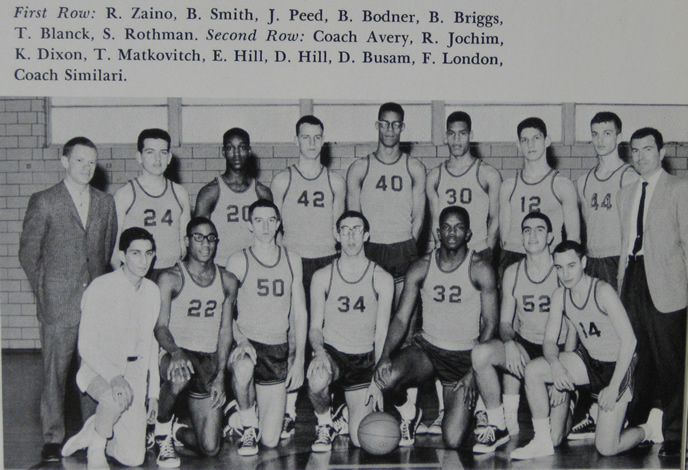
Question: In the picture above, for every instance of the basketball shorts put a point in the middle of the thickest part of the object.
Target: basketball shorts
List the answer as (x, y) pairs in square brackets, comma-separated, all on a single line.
[(604, 268), (534, 350), (395, 258), (354, 371), (450, 366), (600, 374), (205, 370), (271, 363), (506, 259)]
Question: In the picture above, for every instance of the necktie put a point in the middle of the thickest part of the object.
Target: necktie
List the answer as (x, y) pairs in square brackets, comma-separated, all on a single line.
[(639, 225)]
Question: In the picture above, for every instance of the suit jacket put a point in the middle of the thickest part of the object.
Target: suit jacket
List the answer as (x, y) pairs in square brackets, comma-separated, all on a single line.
[(665, 240), (59, 255)]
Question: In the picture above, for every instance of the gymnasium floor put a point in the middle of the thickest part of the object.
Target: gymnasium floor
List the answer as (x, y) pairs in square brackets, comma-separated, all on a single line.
[(21, 385)]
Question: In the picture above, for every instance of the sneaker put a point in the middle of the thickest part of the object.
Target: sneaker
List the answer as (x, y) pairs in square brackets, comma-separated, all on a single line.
[(288, 426), (408, 429), (176, 426), (489, 439), (167, 456), (422, 428), (81, 440), (584, 429), (481, 422), (325, 434), (249, 442), (535, 448), (233, 428), (340, 420), (150, 437), (436, 426)]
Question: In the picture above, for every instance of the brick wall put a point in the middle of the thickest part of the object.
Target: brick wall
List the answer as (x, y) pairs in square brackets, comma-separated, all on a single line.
[(27, 166)]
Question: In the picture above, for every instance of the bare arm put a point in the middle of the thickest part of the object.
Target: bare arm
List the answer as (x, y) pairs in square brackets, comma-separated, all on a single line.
[(206, 199), (560, 376), (508, 308), (224, 343), (483, 277), (384, 283), (298, 309), (505, 208), (186, 214), (339, 203), (123, 200), (263, 191), (418, 175), (569, 203), (433, 200), (354, 181), (278, 187), (493, 180)]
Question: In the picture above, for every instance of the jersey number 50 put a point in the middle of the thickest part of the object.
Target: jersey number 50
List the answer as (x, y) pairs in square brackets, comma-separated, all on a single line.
[(264, 287)]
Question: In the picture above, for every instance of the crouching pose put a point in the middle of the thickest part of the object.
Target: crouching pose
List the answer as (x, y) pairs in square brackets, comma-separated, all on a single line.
[(271, 290), (605, 359), (118, 351), (351, 301), (459, 297), (195, 332)]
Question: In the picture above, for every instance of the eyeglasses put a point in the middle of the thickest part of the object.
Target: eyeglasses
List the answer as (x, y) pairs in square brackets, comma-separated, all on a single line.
[(396, 125), (345, 230), (199, 237)]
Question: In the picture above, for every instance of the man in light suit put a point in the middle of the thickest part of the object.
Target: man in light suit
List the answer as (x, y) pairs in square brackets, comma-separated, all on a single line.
[(653, 281), (67, 239)]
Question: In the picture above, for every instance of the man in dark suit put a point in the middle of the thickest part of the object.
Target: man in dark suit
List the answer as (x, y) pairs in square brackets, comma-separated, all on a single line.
[(653, 281), (68, 236)]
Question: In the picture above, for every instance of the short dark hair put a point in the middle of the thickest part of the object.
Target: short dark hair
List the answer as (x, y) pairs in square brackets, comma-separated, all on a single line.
[(540, 216), (309, 119), (154, 133), (532, 122), (458, 211), (73, 142), (567, 245), (649, 131), (607, 116), (196, 221), (459, 116), (391, 107), (132, 234), (236, 132), (262, 203), (351, 215)]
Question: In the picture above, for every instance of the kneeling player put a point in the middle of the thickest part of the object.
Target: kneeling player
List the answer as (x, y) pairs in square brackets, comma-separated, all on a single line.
[(271, 291), (526, 298), (605, 359), (351, 301), (459, 296), (195, 331)]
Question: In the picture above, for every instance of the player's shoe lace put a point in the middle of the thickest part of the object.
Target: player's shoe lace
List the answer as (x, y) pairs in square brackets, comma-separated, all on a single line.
[(408, 429), (584, 429), (489, 439), (167, 457), (325, 434), (288, 427), (340, 420), (249, 442), (480, 422)]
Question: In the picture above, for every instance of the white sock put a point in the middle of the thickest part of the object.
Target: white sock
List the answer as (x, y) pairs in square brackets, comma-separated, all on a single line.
[(542, 429), (439, 388), (648, 431), (291, 404), (162, 429), (511, 403), (407, 410), (324, 418), (412, 395), (480, 405), (496, 417), (594, 409), (249, 417), (97, 443)]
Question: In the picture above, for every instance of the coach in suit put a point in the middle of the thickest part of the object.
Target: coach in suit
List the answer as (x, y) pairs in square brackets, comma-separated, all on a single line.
[(653, 281), (67, 240)]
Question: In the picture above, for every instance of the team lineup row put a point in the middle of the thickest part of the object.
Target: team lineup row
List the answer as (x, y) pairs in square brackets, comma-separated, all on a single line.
[(353, 292)]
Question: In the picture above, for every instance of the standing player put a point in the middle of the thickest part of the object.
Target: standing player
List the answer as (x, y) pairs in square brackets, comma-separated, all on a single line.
[(226, 199), (118, 352), (535, 188), (154, 202), (271, 292), (459, 296), (605, 359), (195, 331), (527, 290), (389, 186), (310, 199), (351, 302), (597, 193), (464, 180), (469, 182)]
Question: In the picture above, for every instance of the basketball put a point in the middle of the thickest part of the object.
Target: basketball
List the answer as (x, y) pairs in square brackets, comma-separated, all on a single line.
[(379, 433)]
